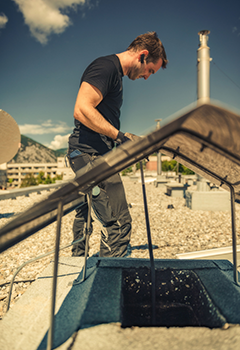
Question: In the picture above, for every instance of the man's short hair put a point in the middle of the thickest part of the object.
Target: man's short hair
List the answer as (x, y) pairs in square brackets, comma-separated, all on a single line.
[(153, 44)]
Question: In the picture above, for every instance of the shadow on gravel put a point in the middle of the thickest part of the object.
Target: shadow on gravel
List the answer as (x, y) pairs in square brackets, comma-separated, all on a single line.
[(6, 215), (143, 247)]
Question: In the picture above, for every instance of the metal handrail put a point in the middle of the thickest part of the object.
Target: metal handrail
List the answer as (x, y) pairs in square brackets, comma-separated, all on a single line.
[(33, 260), (14, 193), (50, 338), (86, 235)]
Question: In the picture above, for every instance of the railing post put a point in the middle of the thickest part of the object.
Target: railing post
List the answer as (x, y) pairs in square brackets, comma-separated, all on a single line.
[(55, 272), (88, 232), (152, 265), (159, 156), (234, 238)]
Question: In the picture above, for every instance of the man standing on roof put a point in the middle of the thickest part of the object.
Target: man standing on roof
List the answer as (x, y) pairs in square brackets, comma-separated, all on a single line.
[(97, 129)]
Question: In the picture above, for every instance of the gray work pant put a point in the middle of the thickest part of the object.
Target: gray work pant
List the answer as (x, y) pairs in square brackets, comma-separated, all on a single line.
[(110, 208)]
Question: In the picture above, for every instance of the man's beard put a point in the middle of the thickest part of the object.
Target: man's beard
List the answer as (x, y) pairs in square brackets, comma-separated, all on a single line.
[(134, 73)]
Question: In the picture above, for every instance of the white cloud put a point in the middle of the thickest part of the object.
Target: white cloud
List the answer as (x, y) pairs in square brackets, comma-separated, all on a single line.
[(234, 29), (59, 142), (3, 20), (47, 127), (46, 17)]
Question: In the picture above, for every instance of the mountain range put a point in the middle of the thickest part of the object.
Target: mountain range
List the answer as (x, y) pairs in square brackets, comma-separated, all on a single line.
[(34, 152)]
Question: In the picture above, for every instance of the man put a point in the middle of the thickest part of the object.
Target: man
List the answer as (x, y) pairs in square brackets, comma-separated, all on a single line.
[(97, 129)]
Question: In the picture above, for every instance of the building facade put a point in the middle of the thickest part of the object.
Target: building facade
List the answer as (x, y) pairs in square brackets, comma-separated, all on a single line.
[(18, 171), (151, 165), (3, 176)]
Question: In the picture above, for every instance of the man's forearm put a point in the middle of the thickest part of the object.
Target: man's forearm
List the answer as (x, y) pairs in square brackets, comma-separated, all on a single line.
[(91, 118)]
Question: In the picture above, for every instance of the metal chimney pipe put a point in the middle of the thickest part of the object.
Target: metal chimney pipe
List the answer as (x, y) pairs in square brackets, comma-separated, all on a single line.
[(203, 67)]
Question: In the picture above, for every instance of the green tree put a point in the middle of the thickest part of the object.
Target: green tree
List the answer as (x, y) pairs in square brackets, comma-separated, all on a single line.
[(127, 171), (143, 163), (41, 178), (48, 179), (58, 177), (29, 180), (184, 170), (172, 165), (168, 165), (130, 168)]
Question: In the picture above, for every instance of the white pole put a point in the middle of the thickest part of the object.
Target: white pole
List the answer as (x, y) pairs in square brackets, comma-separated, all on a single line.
[(159, 159), (203, 68)]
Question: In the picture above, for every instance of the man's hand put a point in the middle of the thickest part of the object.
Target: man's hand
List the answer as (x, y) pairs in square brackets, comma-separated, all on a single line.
[(121, 138), (131, 137)]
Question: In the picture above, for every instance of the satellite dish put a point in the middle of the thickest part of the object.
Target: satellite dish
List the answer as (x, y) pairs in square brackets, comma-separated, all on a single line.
[(10, 137)]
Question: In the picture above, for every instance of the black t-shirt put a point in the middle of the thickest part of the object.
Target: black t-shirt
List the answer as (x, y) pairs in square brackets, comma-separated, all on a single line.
[(105, 73)]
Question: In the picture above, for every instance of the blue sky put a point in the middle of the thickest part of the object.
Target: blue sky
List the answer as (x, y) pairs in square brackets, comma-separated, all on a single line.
[(47, 44)]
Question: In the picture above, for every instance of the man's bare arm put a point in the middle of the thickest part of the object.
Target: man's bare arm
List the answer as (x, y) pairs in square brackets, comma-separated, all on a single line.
[(85, 111)]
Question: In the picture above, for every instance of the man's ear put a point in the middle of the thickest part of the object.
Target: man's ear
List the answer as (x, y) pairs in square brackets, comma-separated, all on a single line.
[(143, 55)]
